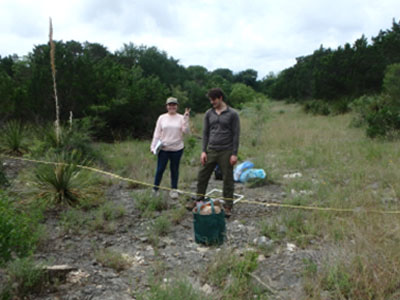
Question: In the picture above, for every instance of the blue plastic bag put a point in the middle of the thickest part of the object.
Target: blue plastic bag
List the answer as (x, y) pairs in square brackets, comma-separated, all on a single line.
[(241, 168), (252, 173)]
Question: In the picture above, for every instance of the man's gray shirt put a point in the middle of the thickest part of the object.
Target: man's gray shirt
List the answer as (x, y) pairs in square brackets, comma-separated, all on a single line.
[(221, 132)]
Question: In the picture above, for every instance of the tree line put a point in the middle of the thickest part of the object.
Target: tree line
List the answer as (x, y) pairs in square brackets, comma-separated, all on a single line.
[(343, 74), (120, 93)]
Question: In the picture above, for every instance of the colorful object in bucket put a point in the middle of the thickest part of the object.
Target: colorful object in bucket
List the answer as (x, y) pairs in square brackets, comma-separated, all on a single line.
[(209, 229)]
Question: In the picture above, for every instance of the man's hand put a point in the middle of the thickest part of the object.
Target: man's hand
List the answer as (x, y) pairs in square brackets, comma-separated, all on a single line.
[(187, 112), (203, 158), (233, 160)]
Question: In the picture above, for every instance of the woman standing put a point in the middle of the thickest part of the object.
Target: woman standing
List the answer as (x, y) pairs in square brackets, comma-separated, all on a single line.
[(169, 131)]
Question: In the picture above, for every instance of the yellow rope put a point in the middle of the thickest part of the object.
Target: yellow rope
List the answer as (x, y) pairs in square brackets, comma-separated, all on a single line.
[(268, 204)]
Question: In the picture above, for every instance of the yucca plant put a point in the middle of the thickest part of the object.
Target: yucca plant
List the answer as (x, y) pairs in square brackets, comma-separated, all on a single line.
[(75, 139), (13, 138), (61, 183)]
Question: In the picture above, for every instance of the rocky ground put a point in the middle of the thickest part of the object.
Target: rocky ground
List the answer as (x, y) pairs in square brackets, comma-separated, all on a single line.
[(279, 268)]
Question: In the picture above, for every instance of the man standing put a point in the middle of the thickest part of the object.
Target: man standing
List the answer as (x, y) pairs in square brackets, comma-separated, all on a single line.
[(221, 131)]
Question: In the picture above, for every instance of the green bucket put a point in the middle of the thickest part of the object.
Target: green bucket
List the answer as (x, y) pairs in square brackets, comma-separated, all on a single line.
[(209, 229)]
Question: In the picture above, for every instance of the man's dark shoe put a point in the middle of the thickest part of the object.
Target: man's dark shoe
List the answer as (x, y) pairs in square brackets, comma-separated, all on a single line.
[(228, 212), (190, 205)]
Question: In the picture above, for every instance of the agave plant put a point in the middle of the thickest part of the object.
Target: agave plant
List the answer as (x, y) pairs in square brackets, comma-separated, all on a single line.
[(13, 138), (75, 139), (62, 182)]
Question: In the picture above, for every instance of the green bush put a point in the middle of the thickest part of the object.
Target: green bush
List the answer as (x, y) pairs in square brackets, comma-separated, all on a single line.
[(112, 259), (3, 178), (161, 226), (317, 107), (381, 114), (391, 82), (76, 138), (24, 277), (64, 182), (147, 203), (177, 289), (18, 231), (362, 107), (341, 106), (13, 138), (231, 273), (241, 94)]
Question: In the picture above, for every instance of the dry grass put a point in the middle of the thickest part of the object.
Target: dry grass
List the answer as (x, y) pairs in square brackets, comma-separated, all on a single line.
[(341, 168)]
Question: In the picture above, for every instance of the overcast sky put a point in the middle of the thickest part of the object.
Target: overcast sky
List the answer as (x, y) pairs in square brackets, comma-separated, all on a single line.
[(263, 35)]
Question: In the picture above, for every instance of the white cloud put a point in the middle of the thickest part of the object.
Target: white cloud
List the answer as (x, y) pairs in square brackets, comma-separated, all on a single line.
[(263, 35)]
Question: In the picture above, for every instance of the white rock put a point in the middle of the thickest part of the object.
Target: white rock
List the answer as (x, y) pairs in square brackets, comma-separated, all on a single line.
[(290, 247), (207, 289), (260, 258), (293, 175), (202, 249)]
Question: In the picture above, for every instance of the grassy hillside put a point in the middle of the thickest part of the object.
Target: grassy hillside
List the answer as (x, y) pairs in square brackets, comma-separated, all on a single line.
[(337, 167)]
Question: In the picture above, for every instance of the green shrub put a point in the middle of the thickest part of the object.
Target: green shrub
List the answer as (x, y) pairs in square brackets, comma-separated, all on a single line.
[(338, 279), (24, 277), (240, 94), (362, 107), (177, 289), (161, 226), (317, 107), (381, 113), (63, 183), (77, 139), (147, 203), (178, 214), (3, 179), (341, 106), (231, 273), (13, 138), (18, 234), (112, 259), (111, 211), (391, 82), (73, 220)]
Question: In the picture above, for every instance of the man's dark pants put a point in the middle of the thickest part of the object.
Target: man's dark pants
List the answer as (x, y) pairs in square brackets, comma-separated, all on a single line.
[(222, 158)]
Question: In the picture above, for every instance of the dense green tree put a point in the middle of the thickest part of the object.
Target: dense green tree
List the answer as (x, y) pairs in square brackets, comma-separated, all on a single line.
[(240, 94), (248, 77), (224, 73), (345, 73)]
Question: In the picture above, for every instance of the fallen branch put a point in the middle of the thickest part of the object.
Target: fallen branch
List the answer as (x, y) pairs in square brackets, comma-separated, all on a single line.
[(269, 288)]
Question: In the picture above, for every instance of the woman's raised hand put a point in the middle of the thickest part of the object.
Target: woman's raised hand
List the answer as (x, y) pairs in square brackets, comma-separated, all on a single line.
[(187, 112)]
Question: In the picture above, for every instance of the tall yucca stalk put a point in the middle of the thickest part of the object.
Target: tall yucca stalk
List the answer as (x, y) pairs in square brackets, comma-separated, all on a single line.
[(53, 73)]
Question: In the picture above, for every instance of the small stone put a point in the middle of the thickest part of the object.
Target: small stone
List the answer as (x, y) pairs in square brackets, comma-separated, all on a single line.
[(202, 249), (293, 175), (207, 289), (263, 241), (168, 241), (290, 247), (261, 258)]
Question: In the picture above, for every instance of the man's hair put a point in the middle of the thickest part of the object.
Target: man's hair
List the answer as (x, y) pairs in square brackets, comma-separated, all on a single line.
[(216, 93)]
